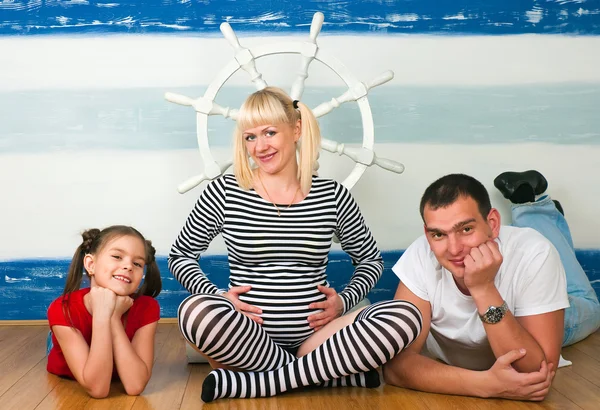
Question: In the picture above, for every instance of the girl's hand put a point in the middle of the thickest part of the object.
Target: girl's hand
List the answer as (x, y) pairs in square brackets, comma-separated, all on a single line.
[(333, 308), (102, 302), (233, 295), (122, 305)]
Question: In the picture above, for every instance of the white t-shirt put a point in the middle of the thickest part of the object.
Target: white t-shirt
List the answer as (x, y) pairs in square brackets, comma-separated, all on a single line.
[(531, 280)]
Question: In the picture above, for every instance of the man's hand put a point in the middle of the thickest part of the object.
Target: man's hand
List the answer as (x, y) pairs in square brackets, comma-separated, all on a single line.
[(481, 267), (505, 382), (233, 295), (332, 308)]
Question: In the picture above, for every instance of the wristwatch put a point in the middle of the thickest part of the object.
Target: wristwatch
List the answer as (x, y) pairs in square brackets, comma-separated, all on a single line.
[(494, 314)]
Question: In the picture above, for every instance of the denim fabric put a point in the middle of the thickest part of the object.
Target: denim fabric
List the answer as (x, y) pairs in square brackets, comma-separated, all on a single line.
[(49, 343), (583, 316)]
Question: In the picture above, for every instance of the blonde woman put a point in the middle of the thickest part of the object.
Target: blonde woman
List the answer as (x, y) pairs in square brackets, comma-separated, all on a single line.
[(279, 324)]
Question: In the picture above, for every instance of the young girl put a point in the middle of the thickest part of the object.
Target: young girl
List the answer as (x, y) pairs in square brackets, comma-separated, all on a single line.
[(107, 329)]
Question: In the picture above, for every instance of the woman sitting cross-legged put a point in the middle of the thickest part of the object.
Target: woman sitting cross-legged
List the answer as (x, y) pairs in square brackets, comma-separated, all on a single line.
[(279, 325)]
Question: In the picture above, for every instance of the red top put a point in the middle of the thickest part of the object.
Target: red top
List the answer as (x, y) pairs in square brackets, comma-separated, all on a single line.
[(145, 310)]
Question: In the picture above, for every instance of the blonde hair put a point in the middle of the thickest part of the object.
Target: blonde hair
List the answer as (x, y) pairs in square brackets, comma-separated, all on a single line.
[(272, 105)]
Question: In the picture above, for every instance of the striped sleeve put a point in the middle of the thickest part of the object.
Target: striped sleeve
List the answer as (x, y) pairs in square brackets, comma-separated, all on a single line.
[(202, 225), (356, 240)]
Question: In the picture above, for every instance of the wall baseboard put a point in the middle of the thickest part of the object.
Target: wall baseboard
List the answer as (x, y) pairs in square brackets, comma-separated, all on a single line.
[(166, 321)]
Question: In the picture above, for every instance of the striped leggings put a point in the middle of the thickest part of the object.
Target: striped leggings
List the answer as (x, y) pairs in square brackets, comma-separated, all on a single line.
[(210, 322)]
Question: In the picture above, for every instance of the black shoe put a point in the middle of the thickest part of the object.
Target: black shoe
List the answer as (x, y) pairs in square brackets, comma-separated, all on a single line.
[(521, 187), (558, 206)]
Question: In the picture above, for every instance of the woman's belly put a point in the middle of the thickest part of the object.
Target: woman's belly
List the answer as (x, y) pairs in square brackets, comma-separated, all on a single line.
[(285, 311)]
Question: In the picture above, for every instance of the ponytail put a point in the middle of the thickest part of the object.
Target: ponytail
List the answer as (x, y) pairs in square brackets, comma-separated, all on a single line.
[(310, 145), (76, 268), (152, 282)]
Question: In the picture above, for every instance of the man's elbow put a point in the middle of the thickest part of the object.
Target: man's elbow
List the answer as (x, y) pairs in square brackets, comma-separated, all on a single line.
[(392, 376), (532, 364)]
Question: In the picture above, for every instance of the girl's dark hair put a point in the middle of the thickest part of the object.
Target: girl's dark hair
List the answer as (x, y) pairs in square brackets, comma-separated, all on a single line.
[(93, 241)]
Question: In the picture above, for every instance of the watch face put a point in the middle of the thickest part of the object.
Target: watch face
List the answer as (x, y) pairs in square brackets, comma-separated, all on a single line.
[(494, 315)]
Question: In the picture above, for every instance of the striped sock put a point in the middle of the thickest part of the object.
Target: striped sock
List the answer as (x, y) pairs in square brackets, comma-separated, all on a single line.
[(368, 379)]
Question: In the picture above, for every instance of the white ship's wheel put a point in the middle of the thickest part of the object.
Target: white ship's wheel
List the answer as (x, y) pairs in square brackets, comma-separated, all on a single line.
[(309, 51)]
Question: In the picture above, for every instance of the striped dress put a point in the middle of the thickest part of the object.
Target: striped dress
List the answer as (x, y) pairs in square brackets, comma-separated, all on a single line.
[(282, 257)]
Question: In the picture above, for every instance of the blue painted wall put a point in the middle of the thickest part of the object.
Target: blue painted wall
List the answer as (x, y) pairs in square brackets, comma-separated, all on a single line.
[(29, 286), (68, 129), (277, 16), (131, 119)]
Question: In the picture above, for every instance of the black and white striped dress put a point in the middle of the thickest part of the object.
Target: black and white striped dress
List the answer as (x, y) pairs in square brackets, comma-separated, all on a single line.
[(282, 257)]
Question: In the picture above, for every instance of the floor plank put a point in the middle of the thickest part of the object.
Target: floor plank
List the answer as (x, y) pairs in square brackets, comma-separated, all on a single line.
[(169, 376), (191, 398), (443, 401), (324, 398), (177, 385), (340, 397), (584, 365), (117, 400), (14, 339), (31, 389), (67, 394), (25, 356), (577, 389), (557, 401), (590, 345), (162, 334)]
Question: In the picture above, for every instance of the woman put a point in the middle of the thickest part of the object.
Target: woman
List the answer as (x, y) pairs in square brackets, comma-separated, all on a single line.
[(278, 221)]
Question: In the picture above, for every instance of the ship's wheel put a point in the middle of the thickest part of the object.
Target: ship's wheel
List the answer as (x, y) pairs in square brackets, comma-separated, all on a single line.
[(309, 50)]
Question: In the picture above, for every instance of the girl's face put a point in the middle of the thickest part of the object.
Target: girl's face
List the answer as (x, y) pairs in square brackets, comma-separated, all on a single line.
[(118, 266)]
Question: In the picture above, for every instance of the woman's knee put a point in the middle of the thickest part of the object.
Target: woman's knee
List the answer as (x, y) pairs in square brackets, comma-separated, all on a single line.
[(195, 309), (399, 308), (402, 316)]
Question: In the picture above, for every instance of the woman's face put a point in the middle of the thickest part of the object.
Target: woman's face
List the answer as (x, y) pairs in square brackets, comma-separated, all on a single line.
[(272, 146)]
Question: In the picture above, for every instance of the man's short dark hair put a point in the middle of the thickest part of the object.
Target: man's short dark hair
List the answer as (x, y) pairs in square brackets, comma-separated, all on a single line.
[(446, 190)]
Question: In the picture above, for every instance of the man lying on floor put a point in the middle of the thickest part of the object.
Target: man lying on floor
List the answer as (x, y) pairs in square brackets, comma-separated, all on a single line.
[(493, 297)]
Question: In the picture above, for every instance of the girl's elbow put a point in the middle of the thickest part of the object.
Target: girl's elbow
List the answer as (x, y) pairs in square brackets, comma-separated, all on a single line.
[(98, 392), (135, 389)]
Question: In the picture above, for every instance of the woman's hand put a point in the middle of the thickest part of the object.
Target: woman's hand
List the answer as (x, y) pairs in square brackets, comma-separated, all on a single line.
[(233, 295), (102, 302), (333, 307)]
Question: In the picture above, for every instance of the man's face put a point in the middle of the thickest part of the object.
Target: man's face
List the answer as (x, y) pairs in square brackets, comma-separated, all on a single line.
[(454, 230)]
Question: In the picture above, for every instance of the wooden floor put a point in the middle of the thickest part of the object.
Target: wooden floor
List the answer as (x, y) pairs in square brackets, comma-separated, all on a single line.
[(25, 384)]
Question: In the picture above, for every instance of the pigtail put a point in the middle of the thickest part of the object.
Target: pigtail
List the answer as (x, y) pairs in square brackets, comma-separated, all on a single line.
[(75, 273), (310, 145), (153, 282)]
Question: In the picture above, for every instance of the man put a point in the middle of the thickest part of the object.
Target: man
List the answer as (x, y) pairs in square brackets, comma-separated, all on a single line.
[(492, 299)]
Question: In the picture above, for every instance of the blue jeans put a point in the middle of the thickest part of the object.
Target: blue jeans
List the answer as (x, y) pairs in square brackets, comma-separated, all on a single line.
[(49, 344), (583, 316)]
